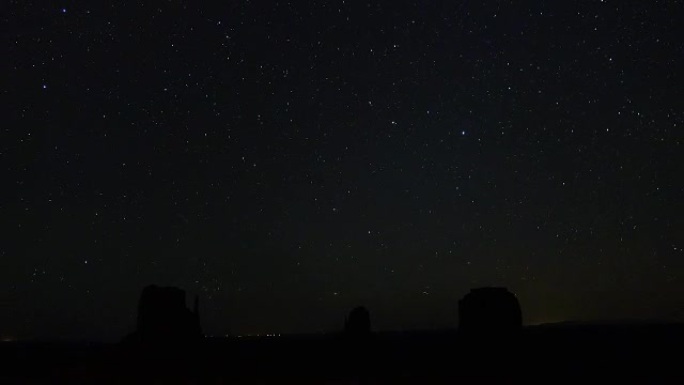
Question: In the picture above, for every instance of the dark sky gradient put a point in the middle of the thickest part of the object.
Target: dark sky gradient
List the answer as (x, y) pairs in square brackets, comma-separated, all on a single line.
[(287, 161)]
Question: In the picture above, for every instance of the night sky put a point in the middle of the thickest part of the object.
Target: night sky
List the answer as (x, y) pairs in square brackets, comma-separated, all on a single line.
[(287, 161)]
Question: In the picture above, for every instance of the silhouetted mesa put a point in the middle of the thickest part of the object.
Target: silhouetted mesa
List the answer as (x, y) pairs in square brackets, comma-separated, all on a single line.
[(358, 322), (163, 316), (490, 310)]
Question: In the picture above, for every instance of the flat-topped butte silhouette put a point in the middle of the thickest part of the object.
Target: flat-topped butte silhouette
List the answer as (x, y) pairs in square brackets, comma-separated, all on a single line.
[(489, 310), (163, 317), (357, 322)]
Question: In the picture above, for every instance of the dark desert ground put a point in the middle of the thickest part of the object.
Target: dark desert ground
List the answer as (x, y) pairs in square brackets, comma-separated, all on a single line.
[(489, 345)]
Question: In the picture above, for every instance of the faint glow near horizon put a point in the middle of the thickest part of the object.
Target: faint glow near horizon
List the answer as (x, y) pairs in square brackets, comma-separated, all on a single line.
[(545, 322)]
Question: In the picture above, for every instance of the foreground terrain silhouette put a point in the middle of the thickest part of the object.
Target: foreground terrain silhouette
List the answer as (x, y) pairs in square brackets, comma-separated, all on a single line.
[(490, 343)]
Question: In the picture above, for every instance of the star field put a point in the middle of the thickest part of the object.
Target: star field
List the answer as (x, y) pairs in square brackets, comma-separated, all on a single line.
[(287, 161)]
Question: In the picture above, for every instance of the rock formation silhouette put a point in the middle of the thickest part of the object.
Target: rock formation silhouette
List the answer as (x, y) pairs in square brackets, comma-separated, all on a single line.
[(164, 317), (489, 310), (358, 322)]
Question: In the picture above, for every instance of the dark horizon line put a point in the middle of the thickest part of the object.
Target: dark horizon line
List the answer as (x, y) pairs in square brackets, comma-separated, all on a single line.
[(7, 340)]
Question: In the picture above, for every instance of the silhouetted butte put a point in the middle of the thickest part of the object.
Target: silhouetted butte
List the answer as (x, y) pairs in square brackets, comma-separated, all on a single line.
[(489, 310), (358, 322), (164, 317)]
